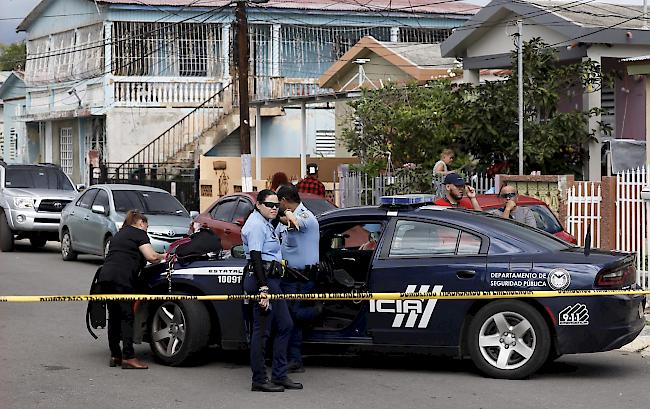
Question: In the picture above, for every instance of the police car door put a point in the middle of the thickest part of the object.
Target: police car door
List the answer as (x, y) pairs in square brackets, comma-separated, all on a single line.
[(419, 256)]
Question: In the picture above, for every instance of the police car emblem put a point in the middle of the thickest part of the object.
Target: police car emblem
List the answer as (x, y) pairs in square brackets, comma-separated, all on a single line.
[(558, 279)]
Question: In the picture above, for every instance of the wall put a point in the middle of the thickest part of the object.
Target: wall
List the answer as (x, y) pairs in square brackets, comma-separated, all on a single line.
[(79, 13), (281, 135), (631, 107), (130, 129)]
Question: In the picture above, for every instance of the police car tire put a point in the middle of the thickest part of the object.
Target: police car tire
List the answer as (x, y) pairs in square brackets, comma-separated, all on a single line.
[(517, 310), (66, 240), (197, 332)]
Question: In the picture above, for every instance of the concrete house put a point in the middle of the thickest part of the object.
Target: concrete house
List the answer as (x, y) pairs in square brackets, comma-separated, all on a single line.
[(14, 145), (605, 33), (134, 86)]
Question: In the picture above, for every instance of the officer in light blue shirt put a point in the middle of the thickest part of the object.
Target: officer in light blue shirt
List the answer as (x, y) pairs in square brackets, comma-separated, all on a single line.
[(300, 248), (262, 276)]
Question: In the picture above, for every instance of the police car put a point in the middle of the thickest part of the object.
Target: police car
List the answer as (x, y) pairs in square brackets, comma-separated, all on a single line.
[(405, 245)]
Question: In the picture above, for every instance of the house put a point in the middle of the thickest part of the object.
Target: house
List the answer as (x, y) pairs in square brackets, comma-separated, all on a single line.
[(13, 134), (145, 87), (604, 33)]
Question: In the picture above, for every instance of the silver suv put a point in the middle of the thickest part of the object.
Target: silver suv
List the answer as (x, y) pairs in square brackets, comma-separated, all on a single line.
[(31, 200)]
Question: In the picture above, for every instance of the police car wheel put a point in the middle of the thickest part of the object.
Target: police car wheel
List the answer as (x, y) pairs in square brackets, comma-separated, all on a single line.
[(179, 331), (508, 339), (67, 253)]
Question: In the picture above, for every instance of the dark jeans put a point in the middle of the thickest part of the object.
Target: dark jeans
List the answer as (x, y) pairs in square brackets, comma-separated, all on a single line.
[(301, 315), (120, 323), (276, 318)]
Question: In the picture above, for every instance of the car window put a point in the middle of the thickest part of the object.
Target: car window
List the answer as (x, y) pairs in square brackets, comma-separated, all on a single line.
[(101, 199), (244, 208), (148, 202), (318, 206), (37, 177), (87, 198), (469, 244), (545, 219), (418, 239), (224, 210)]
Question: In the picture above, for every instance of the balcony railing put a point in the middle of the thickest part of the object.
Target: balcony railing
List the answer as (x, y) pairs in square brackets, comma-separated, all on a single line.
[(163, 91)]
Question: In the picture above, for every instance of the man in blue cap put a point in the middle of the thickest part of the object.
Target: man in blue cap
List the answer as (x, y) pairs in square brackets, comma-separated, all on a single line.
[(300, 249), (455, 189)]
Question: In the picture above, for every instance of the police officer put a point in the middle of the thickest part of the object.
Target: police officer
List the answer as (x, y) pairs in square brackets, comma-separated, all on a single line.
[(300, 250), (262, 276)]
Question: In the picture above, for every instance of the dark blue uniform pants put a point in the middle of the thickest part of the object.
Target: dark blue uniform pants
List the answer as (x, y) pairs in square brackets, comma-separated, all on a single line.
[(301, 315), (277, 318)]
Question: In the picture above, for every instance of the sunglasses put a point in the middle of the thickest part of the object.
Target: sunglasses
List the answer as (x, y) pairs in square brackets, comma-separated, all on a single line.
[(508, 195), (271, 205)]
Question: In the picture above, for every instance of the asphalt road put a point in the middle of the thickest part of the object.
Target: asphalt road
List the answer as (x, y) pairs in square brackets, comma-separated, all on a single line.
[(48, 360)]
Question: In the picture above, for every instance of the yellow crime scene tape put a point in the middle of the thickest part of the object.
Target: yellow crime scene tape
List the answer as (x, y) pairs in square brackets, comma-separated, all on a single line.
[(348, 296)]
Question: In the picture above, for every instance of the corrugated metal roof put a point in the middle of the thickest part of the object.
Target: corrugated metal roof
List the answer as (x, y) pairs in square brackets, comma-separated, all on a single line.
[(596, 14), (421, 54), (406, 6), (639, 58)]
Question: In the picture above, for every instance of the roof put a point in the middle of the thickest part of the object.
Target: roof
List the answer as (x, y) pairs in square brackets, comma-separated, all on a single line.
[(421, 61), (641, 58), (13, 79), (407, 6), (576, 21)]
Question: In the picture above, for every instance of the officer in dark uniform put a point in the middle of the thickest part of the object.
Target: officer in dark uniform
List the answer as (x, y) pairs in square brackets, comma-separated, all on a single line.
[(300, 250), (262, 276)]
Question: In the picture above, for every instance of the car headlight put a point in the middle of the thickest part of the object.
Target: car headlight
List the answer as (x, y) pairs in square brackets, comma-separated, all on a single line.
[(23, 202)]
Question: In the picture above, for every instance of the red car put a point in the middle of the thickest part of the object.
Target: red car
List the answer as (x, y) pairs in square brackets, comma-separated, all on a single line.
[(544, 217), (227, 215)]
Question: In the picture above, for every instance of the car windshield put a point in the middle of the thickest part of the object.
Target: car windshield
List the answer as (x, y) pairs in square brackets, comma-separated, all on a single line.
[(545, 219), (37, 178), (148, 202), (318, 206)]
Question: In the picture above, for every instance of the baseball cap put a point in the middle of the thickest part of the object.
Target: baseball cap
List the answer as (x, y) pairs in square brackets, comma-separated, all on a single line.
[(453, 179), (312, 169)]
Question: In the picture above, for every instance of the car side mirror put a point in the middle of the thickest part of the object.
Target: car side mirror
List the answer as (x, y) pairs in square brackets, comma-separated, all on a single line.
[(194, 214), (99, 209), (81, 187), (238, 251), (239, 221)]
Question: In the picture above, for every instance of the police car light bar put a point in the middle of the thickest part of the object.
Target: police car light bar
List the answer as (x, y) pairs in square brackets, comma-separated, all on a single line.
[(407, 200)]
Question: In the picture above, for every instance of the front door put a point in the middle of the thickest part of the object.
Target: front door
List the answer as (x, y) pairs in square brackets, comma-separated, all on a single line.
[(419, 256), (98, 223), (81, 232)]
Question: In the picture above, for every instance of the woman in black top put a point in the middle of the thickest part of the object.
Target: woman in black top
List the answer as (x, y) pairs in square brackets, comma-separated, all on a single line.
[(128, 253)]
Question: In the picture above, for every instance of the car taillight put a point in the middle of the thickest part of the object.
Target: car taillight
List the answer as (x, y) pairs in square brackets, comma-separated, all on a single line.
[(618, 278)]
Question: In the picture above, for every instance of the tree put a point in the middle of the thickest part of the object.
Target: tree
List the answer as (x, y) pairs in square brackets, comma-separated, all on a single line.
[(416, 122), (13, 56)]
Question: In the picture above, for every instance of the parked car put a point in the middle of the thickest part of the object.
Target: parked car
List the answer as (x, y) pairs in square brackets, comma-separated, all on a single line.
[(544, 216), (226, 216), (31, 200), (420, 249), (89, 222)]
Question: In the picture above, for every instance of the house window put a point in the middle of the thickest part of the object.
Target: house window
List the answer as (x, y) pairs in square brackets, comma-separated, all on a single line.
[(13, 144), (2, 144), (423, 35), (325, 143), (66, 150)]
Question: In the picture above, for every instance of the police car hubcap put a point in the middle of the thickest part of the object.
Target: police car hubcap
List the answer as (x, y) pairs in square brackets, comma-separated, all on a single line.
[(507, 340), (168, 329)]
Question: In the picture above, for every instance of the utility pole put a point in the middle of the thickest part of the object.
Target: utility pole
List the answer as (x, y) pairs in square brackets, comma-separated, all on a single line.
[(242, 75), (520, 88)]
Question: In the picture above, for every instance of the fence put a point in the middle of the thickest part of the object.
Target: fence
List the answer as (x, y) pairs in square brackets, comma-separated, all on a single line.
[(633, 220), (583, 212), (360, 189)]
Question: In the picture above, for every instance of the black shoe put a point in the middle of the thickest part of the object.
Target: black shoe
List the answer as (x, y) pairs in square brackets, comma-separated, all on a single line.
[(287, 383), (295, 367), (267, 387)]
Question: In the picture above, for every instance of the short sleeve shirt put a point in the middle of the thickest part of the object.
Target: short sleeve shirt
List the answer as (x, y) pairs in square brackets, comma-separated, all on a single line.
[(258, 234), (520, 214), (300, 247), (124, 259), (464, 203)]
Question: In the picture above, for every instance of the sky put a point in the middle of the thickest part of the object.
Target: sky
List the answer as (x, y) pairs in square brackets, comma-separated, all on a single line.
[(20, 8)]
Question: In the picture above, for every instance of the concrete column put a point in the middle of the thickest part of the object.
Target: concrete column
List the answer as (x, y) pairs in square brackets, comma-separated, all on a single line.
[(225, 49), (647, 120), (303, 139), (48, 154), (258, 143), (472, 76), (592, 99), (275, 51), (109, 93), (394, 34)]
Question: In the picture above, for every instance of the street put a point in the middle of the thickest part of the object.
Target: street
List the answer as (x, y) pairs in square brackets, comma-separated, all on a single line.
[(48, 360)]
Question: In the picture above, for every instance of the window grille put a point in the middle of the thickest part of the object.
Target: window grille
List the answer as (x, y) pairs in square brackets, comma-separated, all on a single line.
[(423, 35), (66, 150), (326, 143), (13, 144), (2, 144)]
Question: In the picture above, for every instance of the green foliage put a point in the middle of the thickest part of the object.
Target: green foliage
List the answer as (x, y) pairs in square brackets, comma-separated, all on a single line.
[(12, 56), (479, 122)]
